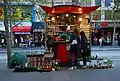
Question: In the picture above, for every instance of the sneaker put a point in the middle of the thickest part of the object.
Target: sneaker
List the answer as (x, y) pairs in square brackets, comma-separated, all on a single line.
[(71, 68), (84, 67), (75, 67)]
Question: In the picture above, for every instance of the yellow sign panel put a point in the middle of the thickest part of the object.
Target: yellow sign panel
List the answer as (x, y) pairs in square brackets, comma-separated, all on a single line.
[(17, 15)]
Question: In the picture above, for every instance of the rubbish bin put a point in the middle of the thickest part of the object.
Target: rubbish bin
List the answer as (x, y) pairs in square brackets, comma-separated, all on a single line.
[(18, 59)]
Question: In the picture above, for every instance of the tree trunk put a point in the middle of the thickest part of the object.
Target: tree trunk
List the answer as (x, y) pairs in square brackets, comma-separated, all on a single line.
[(114, 31), (9, 50), (114, 25)]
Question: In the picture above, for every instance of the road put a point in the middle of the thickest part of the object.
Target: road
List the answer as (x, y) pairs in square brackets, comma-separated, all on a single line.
[(76, 75)]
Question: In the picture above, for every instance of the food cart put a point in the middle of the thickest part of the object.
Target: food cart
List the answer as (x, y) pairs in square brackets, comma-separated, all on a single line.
[(60, 21)]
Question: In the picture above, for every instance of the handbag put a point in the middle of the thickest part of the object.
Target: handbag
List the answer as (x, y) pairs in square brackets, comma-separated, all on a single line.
[(74, 42)]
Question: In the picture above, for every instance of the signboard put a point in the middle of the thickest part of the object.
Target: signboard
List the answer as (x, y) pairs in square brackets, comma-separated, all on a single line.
[(22, 32), (62, 2), (38, 30)]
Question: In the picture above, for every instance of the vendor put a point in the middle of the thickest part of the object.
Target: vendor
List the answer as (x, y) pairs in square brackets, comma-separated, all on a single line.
[(66, 34)]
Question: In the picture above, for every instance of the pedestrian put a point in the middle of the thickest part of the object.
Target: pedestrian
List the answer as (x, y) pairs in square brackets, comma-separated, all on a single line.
[(16, 42), (84, 48), (3, 42), (100, 41), (108, 41), (103, 41), (21, 41), (30, 41), (119, 40), (116, 42), (74, 49), (95, 41)]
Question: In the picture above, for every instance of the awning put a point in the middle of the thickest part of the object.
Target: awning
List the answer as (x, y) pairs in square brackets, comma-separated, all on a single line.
[(104, 24), (69, 9), (21, 29)]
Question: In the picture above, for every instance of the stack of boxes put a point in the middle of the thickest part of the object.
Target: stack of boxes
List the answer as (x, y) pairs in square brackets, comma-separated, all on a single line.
[(38, 61)]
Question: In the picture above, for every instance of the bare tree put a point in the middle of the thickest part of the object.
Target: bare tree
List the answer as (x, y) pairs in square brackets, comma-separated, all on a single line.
[(115, 9), (8, 34), (7, 7), (9, 51)]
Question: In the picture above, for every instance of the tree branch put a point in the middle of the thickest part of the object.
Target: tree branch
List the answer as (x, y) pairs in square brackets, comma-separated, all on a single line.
[(19, 22), (14, 9)]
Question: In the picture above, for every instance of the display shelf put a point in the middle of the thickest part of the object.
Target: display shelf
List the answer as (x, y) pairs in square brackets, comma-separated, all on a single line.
[(50, 27)]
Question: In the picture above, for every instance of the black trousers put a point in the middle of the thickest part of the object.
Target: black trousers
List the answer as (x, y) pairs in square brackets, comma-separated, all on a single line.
[(74, 51), (84, 56), (84, 59), (54, 49)]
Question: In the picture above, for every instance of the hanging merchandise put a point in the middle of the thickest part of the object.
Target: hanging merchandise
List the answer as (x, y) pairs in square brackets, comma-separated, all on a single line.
[(98, 26)]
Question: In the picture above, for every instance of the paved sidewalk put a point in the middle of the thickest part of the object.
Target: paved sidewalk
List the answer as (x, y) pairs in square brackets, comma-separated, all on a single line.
[(75, 75), (105, 48), (29, 50), (38, 49)]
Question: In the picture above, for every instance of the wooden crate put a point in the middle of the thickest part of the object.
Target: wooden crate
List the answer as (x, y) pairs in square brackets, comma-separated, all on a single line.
[(38, 61)]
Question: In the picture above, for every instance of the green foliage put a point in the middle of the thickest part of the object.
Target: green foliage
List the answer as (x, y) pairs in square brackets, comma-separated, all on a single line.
[(117, 2), (97, 15), (26, 13), (17, 15), (116, 15), (108, 14), (2, 16)]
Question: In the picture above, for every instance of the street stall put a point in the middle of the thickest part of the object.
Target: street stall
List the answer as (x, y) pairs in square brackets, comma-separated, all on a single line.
[(61, 20)]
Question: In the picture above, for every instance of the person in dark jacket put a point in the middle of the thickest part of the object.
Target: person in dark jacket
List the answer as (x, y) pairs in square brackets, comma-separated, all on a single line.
[(83, 47), (74, 47)]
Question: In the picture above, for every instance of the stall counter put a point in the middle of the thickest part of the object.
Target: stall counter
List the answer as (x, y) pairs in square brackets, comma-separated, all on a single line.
[(61, 50)]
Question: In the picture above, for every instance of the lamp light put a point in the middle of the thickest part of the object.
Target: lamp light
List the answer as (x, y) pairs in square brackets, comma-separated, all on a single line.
[(57, 16), (53, 18), (67, 15), (87, 16), (80, 10), (74, 16), (80, 19)]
